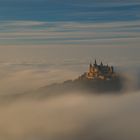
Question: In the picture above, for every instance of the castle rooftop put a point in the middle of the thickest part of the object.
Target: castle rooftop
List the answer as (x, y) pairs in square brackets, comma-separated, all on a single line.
[(99, 71)]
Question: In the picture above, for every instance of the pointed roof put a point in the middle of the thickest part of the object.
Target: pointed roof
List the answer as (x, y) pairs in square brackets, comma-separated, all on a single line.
[(101, 63), (90, 65), (95, 62)]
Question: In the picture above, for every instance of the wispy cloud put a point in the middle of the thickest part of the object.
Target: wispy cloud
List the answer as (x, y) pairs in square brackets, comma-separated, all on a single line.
[(32, 32)]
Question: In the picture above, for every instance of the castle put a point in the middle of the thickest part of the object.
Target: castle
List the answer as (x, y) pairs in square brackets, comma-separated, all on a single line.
[(102, 72)]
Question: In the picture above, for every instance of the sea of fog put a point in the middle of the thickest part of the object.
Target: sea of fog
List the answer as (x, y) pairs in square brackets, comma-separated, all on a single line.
[(71, 116)]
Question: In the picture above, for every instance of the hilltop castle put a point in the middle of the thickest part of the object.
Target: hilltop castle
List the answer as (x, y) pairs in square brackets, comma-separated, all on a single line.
[(102, 72)]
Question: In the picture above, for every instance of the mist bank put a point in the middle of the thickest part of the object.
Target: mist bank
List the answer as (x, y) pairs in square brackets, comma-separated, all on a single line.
[(33, 113), (42, 84), (72, 116)]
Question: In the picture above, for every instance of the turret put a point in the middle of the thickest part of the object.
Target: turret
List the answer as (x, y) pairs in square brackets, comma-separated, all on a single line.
[(112, 68), (95, 63), (90, 67), (101, 64)]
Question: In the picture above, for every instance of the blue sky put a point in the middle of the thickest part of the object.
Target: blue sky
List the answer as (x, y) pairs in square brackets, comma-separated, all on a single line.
[(45, 22), (70, 10)]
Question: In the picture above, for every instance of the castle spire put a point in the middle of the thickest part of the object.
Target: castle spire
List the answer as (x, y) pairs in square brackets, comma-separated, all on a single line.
[(112, 68), (90, 67), (95, 63), (101, 63)]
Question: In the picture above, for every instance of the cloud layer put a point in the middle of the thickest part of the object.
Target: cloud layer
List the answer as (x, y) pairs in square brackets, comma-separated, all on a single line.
[(72, 116), (46, 33)]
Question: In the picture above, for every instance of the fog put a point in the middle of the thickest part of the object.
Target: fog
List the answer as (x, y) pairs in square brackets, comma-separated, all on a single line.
[(71, 116), (76, 116)]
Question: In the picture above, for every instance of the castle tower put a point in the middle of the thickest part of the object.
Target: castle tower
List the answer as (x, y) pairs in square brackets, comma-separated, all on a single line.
[(101, 64), (90, 68), (112, 69), (95, 63)]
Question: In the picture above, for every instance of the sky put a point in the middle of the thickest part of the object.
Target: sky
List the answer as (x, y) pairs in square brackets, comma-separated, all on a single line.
[(45, 22), (70, 10)]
